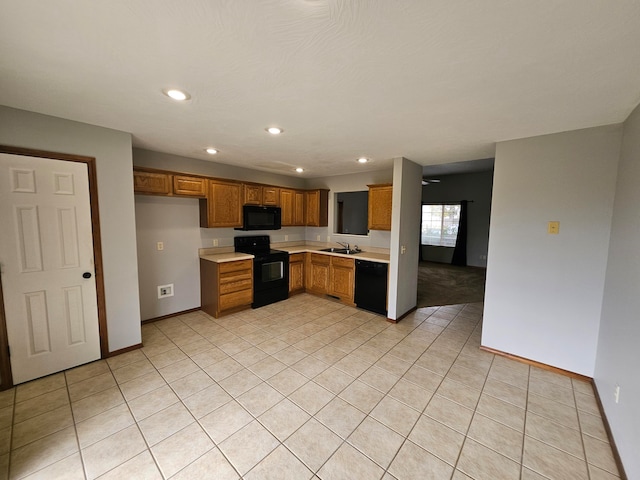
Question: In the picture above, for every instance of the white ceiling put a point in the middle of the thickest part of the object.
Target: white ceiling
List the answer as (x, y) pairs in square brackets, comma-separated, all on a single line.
[(433, 81)]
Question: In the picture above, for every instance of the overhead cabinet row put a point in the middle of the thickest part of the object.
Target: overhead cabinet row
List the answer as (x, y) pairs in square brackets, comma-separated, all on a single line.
[(221, 200)]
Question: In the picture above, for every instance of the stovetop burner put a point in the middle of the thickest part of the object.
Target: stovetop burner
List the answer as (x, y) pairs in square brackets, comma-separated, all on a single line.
[(254, 245)]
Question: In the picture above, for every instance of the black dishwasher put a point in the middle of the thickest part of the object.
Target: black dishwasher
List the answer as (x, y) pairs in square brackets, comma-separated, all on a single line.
[(371, 286)]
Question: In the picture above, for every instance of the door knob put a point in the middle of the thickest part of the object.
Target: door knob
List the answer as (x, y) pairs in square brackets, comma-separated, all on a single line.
[(86, 275)]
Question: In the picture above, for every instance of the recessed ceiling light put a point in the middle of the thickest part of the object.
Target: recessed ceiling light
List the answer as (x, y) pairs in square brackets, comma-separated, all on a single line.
[(299, 170), (211, 151), (363, 160), (274, 130), (179, 95)]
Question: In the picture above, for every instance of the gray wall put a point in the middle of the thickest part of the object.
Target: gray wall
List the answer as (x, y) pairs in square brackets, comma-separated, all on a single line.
[(468, 186), (112, 150), (618, 355), (403, 265), (543, 294)]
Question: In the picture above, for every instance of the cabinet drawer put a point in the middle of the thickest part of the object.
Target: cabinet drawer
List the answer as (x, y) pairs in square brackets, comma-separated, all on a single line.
[(320, 258), (343, 262), (235, 286), (296, 257), (232, 277), (235, 299), (226, 267)]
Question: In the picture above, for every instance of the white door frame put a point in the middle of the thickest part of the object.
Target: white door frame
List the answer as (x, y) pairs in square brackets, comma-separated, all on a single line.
[(6, 380)]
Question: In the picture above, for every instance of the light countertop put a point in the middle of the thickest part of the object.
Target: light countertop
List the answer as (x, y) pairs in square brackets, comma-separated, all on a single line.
[(226, 257), (371, 256), (223, 255)]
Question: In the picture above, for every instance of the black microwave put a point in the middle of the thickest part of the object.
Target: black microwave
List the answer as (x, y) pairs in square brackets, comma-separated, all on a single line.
[(257, 217)]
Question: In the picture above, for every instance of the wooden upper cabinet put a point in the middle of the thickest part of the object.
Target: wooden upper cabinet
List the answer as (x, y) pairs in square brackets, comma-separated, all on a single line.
[(151, 183), (189, 186), (252, 194), (317, 208), (261, 195), (298, 208), (380, 206), (270, 196), (221, 200), (292, 206), (286, 205), (223, 205)]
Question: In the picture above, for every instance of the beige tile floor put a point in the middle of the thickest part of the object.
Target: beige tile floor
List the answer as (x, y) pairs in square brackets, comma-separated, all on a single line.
[(306, 388)]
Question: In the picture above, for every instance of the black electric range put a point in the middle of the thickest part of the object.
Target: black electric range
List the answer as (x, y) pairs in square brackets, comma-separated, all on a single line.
[(270, 269)]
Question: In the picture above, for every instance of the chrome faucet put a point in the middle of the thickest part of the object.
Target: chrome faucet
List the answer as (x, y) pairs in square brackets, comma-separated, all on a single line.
[(345, 245)]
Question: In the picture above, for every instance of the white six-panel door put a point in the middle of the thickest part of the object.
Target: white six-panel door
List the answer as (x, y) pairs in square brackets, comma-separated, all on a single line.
[(45, 249)]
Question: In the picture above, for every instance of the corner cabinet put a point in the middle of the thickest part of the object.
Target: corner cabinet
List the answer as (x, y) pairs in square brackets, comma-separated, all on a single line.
[(380, 197), (225, 287), (292, 206), (317, 208), (223, 205)]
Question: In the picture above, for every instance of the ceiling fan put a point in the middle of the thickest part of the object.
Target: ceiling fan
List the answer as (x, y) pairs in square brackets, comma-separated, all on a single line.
[(427, 181)]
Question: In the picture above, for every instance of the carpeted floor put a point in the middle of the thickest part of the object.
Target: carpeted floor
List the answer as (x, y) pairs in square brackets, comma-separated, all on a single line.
[(441, 284)]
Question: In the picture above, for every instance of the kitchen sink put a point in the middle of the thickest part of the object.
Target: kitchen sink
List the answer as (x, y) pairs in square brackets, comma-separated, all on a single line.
[(340, 250)]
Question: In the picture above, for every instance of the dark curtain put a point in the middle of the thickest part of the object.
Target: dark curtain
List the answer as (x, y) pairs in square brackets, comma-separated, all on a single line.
[(420, 236), (460, 251)]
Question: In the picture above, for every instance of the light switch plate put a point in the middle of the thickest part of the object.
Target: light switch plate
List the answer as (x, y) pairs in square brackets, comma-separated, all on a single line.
[(553, 228)]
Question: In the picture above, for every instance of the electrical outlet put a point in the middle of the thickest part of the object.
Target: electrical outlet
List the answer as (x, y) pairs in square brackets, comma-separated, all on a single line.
[(328, 238), (160, 245), (165, 290), (286, 238), (616, 393), (318, 238), (215, 242)]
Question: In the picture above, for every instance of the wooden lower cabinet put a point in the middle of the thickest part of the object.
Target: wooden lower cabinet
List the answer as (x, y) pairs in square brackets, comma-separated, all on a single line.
[(342, 278), (317, 273), (225, 287), (296, 273), (331, 275)]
